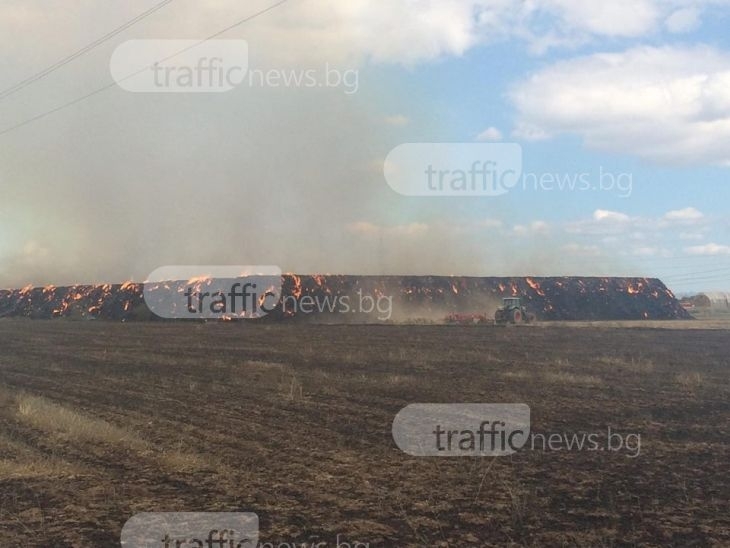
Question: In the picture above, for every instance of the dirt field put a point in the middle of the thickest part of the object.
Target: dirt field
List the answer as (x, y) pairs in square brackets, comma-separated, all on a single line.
[(99, 421)]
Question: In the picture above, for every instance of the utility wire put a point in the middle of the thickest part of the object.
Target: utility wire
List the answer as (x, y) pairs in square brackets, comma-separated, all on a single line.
[(66, 60), (716, 278), (114, 84), (704, 272)]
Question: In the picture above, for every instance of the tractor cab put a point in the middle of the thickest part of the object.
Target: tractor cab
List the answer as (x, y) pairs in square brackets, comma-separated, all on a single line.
[(511, 302)]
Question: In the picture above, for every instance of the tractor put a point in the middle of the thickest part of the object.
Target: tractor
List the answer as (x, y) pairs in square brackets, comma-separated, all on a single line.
[(512, 312)]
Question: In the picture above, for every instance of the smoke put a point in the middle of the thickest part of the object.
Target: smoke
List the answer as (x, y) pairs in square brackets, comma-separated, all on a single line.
[(122, 183), (115, 186)]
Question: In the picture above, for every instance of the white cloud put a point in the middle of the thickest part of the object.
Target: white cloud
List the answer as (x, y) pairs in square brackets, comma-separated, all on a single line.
[(615, 18), (690, 236), (529, 132), (540, 226), (686, 214), (610, 216), (669, 104), (535, 227), (683, 20), (490, 134), (406, 31), (397, 31), (708, 249), (617, 227)]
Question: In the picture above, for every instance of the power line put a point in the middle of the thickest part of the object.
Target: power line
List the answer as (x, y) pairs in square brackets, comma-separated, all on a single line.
[(66, 60), (698, 282), (114, 84), (640, 259), (678, 258), (716, 278), (680, 269), (704, 272)]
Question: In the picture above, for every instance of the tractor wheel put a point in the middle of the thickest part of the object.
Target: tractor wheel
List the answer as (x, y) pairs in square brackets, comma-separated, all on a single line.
[(516, 316)]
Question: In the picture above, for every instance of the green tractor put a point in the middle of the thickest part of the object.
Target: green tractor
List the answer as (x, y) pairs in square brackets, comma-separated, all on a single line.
[(512, 312)]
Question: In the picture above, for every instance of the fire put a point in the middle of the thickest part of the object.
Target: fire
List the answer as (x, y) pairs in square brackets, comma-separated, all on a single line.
[(550, 298), (535, 286), (199, 280), (297, 291), (262, 298)]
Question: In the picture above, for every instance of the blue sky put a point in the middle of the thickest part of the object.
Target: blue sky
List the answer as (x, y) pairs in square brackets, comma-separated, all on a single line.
[(676, 224), (123, 182)]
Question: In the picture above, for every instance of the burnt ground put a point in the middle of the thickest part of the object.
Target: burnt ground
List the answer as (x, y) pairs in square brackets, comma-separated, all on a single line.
[(101, 420)]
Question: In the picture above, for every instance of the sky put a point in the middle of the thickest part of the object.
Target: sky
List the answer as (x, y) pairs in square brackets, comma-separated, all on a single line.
[(631, 96)]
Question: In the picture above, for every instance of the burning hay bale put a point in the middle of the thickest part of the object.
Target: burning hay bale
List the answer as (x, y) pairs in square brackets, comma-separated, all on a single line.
[(554, 298), (337, 298)]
